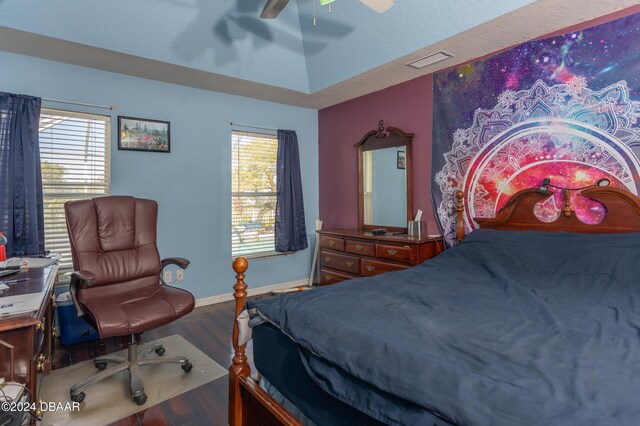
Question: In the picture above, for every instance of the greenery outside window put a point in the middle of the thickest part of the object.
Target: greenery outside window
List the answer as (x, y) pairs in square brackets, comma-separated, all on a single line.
[(74, 156), (253, 193)]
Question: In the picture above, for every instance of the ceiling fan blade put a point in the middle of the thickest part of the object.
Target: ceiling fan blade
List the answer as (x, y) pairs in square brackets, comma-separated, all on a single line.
[(379, 6), (273, 8)]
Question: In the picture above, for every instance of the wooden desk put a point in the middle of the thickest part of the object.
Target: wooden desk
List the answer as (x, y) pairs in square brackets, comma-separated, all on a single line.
[(26, 339)]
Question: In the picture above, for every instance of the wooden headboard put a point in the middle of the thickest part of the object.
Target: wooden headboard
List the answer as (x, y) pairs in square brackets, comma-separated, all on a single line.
[(622, 213)]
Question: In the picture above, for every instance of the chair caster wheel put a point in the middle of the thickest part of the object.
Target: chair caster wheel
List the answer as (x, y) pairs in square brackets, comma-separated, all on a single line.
[(78, 398), (187, 367), (141, 399), (101, 365), (160, 351)]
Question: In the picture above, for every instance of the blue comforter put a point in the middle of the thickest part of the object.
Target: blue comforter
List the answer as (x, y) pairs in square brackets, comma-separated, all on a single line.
[(508, 328)]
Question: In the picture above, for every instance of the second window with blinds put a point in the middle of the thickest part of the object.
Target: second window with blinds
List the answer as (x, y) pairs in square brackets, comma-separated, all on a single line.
[(253, 193), (74, 155)]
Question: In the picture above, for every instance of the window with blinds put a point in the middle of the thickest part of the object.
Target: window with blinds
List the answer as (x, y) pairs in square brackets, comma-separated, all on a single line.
[(253, 193), (74, 154), (367, 187)]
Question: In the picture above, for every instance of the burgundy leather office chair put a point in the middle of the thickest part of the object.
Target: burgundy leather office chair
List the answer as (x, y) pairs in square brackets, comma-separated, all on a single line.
[(117, 284)]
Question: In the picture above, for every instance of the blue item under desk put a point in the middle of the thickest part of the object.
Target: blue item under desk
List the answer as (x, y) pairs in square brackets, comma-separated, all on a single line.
[(73, 329)]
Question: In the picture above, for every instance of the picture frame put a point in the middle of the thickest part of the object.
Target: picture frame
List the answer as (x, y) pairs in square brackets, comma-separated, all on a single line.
[(143, 134), (401, 160)]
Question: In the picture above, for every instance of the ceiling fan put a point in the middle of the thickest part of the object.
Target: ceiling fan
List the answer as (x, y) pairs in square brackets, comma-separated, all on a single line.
[(274, 7)]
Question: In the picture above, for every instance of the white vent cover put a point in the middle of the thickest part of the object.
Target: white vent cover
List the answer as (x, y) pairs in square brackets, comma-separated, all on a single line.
[(430, 60)]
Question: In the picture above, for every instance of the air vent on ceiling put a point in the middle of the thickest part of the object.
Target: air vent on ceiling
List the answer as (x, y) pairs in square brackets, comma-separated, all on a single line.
[(429, 60)]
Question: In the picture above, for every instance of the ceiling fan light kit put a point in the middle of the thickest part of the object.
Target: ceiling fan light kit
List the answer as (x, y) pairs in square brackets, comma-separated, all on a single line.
[(273, 7), (379, 6)]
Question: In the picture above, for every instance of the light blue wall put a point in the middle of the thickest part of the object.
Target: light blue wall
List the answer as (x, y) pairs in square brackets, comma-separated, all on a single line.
[(389, 189), (225, 37), (192, 184)]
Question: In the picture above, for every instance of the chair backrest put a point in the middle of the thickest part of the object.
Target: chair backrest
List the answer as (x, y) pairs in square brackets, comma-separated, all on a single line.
[(115, 239)]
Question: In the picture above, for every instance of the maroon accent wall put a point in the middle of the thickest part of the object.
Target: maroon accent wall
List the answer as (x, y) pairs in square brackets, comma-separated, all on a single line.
[(407, 106)]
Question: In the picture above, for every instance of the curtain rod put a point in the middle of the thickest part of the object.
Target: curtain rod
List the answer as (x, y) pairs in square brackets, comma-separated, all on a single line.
[(252, 127), (110, 107), (231, 123)]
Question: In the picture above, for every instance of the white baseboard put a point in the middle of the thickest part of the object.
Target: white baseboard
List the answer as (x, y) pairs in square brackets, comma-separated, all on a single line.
[(227, 297)]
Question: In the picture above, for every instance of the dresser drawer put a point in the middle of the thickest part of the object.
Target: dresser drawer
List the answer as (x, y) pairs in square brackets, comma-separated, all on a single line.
[(375, 267), (340, 262), (360, 248), (399, 253), (332, 243), (328, 276)]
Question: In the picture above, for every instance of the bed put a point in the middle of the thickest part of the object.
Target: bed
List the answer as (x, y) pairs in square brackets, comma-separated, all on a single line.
[(524, 322)]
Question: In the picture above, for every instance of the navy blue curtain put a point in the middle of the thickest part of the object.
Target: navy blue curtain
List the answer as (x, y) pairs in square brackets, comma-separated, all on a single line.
[(291, 232), (21, 207)]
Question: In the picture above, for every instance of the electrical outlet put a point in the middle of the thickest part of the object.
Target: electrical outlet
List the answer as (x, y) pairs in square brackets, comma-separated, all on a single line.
[(179, 275), (168, 277)]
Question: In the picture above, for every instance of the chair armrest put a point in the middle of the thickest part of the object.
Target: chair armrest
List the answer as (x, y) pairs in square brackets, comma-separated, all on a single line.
[(84, 278), (80, 279), (181, 262)]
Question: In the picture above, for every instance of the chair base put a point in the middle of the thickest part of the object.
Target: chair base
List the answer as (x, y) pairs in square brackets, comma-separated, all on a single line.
[(132, 364)]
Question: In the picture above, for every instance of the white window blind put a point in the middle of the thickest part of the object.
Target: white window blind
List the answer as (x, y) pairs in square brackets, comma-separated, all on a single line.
[(367, 160), (253, 193), (74, 153)]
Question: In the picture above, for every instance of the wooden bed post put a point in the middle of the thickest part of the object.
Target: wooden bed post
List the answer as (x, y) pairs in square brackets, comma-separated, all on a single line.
[(460, 216), (566, 207), (240, 367)]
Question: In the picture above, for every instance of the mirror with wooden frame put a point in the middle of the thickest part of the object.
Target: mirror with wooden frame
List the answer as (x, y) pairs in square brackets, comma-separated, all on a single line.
[(385, 179)]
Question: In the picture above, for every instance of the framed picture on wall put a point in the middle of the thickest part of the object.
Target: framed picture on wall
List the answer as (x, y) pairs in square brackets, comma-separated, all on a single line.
[(401, 161), (142, 134)]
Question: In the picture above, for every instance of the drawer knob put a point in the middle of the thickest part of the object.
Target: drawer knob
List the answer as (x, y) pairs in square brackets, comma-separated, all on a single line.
[(327, 259), (349, 263), (359, 247), (41, 403), (332, 243), (392, 252), (370, 268), (328, 278)]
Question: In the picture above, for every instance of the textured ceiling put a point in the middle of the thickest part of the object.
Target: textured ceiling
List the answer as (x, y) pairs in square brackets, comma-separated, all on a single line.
[(223, 46), (222, 37), (353, 39)]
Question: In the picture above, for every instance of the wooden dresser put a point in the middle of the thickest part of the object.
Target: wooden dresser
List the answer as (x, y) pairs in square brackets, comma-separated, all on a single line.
[(26, 340), (346, 254)]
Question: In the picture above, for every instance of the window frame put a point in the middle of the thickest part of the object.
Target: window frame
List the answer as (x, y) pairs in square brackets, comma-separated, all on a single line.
[(256, 255), (367, 186), (107, 120)]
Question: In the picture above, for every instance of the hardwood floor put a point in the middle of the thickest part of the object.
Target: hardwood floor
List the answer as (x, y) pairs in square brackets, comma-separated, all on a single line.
[(209, 329)]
